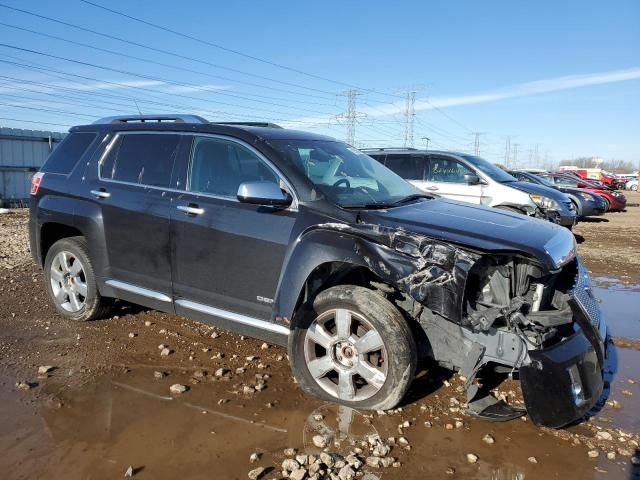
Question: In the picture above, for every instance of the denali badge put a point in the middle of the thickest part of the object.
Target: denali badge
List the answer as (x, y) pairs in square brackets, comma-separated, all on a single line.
[(264, 299)]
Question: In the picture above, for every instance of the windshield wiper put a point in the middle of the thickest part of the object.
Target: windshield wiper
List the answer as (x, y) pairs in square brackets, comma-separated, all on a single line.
[(412, 197), (369, 206)]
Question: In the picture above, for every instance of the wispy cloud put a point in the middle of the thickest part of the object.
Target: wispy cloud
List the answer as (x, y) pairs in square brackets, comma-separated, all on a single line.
[(197, 88), (537, 87)]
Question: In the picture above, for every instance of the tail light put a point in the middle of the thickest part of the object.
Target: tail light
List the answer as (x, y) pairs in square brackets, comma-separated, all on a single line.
[(36, 180)]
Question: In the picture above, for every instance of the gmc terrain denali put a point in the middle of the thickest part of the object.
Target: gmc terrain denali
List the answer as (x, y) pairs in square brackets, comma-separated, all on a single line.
[(304, 241)]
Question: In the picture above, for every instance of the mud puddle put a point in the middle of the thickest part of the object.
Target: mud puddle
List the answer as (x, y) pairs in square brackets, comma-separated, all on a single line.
[(114, 422), (620, 303)]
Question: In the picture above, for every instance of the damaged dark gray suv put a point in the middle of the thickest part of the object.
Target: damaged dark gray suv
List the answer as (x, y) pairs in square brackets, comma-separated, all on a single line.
[(304, 241)]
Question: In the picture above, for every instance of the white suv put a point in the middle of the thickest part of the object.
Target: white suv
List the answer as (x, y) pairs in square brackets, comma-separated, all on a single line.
[(467, 178)]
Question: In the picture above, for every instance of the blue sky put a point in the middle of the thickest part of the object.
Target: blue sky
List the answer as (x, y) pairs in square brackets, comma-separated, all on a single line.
[(559, 78)]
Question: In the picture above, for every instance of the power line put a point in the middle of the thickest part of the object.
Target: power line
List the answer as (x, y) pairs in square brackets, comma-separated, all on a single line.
[(230, 50), (166, 52), (160, 79), (476, 142), (181, 69), (34, 121)]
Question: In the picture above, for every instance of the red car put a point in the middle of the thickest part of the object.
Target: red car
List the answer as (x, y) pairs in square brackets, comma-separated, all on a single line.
[(616, 201)]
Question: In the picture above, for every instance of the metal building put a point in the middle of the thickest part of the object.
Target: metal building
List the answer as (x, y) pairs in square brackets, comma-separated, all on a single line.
[(22, 153)]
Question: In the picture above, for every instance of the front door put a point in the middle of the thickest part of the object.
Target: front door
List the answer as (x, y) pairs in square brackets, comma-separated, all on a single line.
[(228, 254), (445, 177)]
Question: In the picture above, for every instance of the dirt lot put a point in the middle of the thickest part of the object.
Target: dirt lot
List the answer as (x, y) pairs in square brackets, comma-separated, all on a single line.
[(105, 405)]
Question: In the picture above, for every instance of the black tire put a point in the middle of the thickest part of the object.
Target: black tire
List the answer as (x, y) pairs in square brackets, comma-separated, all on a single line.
[(94, 305), (387, 321)]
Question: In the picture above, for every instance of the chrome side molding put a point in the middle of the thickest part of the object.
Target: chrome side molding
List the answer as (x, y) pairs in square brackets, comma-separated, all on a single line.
[(145, 292), (236, 317)]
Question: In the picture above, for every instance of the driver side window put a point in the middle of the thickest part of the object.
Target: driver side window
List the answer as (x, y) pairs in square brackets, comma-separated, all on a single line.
[(219, 166)]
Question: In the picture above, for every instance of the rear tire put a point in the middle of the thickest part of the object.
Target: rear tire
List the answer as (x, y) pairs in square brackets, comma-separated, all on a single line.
[(351, 346), (71, 281)]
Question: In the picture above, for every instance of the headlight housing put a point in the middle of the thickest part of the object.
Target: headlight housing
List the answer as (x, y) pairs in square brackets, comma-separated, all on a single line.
[(543, 202)]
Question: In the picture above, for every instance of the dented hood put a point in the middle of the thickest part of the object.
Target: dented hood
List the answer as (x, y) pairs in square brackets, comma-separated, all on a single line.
[(479, 227)]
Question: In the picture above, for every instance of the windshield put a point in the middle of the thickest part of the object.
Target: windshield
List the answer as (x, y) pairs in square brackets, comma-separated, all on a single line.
[(345, 175), (542, 180), (488, 168)]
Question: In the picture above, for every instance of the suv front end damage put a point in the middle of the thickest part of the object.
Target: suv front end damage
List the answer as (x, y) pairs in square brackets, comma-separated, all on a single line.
[(553, 327), (499, 310)]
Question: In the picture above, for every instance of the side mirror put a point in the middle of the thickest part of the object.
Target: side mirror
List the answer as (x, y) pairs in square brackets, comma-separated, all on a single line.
[(471, 179), (263, 193)]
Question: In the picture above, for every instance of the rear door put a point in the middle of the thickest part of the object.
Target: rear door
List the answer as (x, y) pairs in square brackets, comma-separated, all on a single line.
[(132, 191), (228, 254), (411, 167), (446, 177)]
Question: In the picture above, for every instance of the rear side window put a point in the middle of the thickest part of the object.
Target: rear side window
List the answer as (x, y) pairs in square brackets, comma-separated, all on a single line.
[(141, 159), (409, 167), (66, 155), (448, 170)]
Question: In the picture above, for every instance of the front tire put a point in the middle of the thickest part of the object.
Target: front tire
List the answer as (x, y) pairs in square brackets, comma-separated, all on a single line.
[(352, 346), (71, 281)]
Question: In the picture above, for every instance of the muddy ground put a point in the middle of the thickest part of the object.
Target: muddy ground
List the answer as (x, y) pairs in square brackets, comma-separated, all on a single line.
[(106, 404)]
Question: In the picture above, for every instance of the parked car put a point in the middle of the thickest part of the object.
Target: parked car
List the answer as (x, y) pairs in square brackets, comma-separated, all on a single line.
[(632, 185), (586, 204), (304, 241), (616, 201), (467, 178)]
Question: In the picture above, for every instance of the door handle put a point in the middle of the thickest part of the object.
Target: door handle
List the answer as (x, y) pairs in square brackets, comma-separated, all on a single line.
[(100, 193), (433, 188), (190, 209)]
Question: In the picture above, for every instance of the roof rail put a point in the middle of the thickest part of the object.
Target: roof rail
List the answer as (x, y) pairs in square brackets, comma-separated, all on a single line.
[(249, 124), (178, 118), (383, 149)]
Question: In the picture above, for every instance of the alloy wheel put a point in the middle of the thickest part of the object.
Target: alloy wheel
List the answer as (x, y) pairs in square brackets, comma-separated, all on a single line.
[(68, 282), (346, 355)]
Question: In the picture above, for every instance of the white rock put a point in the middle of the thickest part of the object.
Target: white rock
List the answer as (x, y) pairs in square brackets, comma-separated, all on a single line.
[(472, 458), (254, 457), (320, 441), (593, 453), (602, 435), (256, 473), (532, 459), (165, 352), (43, 370), (289, 464), (488, 439), (178, 388)]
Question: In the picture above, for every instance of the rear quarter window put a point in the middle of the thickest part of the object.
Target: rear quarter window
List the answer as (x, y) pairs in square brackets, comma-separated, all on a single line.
[(66, 155)]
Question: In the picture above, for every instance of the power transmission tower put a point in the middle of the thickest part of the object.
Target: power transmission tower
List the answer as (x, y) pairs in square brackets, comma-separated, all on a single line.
[(409, 116), (507, 151), (515, 155), (476, 142), (351, 115)]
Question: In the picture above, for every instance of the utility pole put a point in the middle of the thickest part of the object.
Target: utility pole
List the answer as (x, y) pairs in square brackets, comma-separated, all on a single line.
[(476, 142), (351, 115), (426, 142), (409, 116)]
